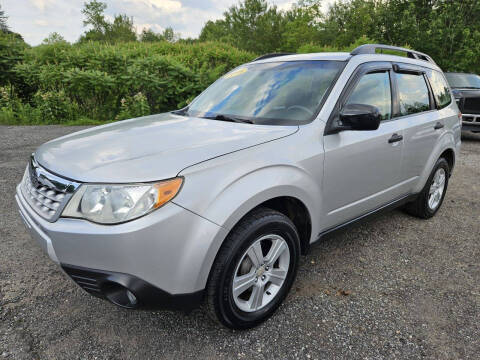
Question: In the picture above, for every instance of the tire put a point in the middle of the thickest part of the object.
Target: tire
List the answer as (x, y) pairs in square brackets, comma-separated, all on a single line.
[(262, 227), (421, 206)]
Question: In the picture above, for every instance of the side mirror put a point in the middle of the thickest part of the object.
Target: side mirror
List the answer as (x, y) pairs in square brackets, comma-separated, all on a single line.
[(359, 117)]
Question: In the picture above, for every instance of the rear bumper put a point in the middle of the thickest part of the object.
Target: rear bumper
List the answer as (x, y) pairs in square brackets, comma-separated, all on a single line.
[(165, 256)]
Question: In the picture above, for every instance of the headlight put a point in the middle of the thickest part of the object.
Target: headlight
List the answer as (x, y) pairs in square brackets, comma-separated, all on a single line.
[(113, 203)]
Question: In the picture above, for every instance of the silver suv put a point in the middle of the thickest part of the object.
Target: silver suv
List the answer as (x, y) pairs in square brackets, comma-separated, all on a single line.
[(215, 203)]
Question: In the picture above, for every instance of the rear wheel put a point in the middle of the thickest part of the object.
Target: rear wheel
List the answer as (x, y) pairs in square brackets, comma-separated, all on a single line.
[(431, 198), (254, 270)]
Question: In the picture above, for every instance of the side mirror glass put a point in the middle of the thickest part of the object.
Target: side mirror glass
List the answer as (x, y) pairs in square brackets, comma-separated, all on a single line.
[(359, 117)]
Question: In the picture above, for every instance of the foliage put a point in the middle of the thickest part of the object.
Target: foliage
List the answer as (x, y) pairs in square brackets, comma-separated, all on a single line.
[(148, 35), (53, 38), (252, 25), (312, 48), (11, 52), (444, 29), (133, 107), (55, 107), (113, 81), (110, 74), (3, 21), (120, 30)]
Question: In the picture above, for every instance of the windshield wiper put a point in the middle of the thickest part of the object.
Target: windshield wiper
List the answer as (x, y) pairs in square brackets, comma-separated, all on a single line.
[(469, 87), (224, 117)]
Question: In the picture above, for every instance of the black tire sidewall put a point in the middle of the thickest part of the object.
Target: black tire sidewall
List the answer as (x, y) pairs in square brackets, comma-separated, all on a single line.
[(229, 313), (441, 163)]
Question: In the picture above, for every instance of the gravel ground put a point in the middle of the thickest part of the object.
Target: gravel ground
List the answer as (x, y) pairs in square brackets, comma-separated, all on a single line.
[(394, 287)]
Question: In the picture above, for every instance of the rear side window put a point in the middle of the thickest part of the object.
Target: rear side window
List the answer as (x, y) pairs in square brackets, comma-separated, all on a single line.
[(374, 89), (413, 94), (440, 88)]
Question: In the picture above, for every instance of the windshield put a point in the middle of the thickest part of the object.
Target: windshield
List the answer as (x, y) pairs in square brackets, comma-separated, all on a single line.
[(463, 80), (268, 93)]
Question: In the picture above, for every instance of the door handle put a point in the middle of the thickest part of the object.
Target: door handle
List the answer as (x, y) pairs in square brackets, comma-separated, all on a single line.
[(438, 125), (395, 138)]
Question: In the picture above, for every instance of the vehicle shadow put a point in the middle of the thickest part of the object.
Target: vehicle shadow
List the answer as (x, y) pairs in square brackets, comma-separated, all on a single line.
[(469, 136)]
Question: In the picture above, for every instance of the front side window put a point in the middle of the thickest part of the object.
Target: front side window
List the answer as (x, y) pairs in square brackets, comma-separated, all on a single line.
[(374, 89), (288, 92), (440, 88), (413, 93)]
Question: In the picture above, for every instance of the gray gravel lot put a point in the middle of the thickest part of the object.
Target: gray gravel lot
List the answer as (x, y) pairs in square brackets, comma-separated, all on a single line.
[(394, 287)]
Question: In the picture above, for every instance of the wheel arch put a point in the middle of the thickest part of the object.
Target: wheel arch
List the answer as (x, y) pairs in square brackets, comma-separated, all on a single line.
[(291, 206), (449, 155)]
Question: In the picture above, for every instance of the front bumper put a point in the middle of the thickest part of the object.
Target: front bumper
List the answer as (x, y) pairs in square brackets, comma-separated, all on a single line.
[(165, 256), (471, 122), (112, 286)]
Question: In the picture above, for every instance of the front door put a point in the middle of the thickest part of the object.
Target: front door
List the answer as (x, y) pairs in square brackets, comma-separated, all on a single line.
[(362, 168)]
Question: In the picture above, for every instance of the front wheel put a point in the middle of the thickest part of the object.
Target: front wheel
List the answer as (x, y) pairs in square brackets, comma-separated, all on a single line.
[(254, 270), (431, 198)]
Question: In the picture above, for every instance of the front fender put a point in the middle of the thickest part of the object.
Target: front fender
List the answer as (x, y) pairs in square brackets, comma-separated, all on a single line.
[(256, 187), (225, 191)]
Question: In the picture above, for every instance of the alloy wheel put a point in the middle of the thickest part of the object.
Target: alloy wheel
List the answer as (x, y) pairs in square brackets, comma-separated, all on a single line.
[(260, 273), (436, 188)]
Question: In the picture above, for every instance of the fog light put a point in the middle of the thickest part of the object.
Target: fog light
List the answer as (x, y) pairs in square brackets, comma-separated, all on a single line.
[(131, 298), (120, 295)]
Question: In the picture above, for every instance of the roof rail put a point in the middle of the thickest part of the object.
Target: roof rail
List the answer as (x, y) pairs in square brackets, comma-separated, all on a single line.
[(268, 56), (372, 48)]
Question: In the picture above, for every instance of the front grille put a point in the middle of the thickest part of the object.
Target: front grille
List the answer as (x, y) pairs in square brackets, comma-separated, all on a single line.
[(471, 118), (471, 106), (46, 193)]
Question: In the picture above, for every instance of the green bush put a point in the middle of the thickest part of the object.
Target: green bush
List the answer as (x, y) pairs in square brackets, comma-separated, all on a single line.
[(100, 81), (55, 107), (133, 107)]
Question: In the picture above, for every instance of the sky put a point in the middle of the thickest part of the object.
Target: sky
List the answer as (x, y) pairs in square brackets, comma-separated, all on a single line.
[(36, 19)]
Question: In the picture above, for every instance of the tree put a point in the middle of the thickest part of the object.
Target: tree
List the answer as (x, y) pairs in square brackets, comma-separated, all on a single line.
[(169, 35), (302, 25), (3, 21), (252, 25), (120, 30), (12, 48), (166, 35), (93, 12), (217, 30), (148, 35), (54, 38)]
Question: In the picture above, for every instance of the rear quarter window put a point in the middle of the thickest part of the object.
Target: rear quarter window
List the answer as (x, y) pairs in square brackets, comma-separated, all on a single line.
[(441, 92)]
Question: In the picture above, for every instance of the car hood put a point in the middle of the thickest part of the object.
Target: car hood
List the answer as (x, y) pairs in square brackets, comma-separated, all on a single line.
[(149, 148)]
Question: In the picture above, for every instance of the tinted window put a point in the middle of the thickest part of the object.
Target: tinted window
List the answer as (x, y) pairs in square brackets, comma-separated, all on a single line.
[(374, 89), (440, 88), (413, 94)]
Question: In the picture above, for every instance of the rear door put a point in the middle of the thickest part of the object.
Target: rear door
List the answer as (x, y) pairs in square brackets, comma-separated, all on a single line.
[(362, 168), (422, 122)]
